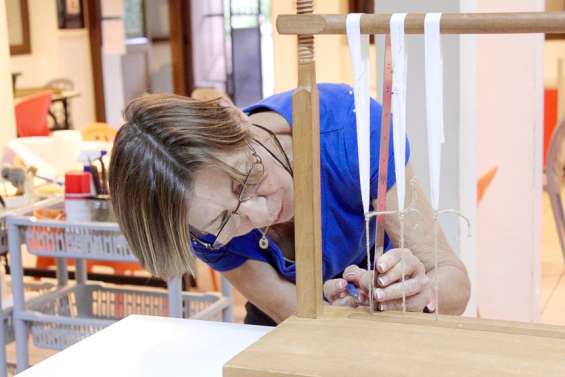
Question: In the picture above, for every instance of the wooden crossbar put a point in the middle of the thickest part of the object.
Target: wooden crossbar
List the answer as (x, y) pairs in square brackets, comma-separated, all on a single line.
[(451, 23)]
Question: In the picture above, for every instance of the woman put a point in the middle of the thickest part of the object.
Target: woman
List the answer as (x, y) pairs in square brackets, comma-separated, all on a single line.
[(201, 178)]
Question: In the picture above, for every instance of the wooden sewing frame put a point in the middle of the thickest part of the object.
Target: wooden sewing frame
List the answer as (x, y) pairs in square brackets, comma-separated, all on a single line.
[(321, 340)]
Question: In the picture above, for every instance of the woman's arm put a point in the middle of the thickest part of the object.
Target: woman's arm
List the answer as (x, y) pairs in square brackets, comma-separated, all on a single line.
[(454, 285), (260, 283)]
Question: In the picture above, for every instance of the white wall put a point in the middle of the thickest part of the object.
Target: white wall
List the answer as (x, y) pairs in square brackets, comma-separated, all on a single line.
[(333, 63), (8, 125), (553, 51), (113, 88), (113, 41), (57, 54), (509, 134)]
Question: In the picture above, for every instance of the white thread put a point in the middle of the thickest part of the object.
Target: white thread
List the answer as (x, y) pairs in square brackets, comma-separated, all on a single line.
[(434, 101), (399, 85), (434, 115), (359, 51)]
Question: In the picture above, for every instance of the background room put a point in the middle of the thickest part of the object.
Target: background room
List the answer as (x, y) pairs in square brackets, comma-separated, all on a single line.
[(68, 69)]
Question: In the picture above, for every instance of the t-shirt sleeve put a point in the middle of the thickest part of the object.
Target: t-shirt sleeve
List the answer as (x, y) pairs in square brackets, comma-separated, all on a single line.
[(376, 114), (280, 103), (233, 255), (220, 260)]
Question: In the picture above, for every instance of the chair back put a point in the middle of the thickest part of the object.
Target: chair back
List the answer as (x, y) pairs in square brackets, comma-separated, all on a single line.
[(31, 114)]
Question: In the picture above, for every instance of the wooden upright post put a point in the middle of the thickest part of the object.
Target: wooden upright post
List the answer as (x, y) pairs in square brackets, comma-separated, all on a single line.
[(306, 149)]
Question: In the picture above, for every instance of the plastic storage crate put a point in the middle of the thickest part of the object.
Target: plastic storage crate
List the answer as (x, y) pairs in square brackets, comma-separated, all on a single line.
[(37, 288), (18, 212), (99, 238), (76, 241), (74, 313)]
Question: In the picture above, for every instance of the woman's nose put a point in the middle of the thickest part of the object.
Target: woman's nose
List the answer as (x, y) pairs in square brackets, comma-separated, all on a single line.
[(256, 211)]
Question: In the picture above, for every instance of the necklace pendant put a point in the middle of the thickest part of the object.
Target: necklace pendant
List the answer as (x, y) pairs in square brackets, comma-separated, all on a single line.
[(264, 243)]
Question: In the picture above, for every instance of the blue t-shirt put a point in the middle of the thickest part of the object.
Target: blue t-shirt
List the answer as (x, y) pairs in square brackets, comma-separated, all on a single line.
[(343, 222)]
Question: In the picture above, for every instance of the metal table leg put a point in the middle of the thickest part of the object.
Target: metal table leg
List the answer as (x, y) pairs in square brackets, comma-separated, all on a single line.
[(175, 297), (227, 314), (3, 322), (62, 273), (20, 327), (80, 272)]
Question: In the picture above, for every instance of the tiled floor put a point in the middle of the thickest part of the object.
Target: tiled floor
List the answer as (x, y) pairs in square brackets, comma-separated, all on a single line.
[(552, 303)]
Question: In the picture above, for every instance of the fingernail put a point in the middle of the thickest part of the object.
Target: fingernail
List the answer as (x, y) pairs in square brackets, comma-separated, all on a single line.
[(341, 284), (382, 281), (342, 295), (379, 294), (381, 267), (349, 275)]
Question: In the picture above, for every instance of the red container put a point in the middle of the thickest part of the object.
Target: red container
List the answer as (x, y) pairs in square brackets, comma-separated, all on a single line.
[(77, 184)]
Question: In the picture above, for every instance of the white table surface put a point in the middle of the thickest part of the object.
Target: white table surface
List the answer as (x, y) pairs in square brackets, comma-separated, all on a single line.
[(152, 347)]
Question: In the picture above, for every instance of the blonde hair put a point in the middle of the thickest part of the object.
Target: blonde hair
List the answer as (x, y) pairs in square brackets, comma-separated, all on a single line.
[(166, 139)]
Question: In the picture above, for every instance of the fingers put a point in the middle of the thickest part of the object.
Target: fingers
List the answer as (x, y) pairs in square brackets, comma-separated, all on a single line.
[(360, 278), (346, 301), (395, 291), (408, 264), (335, 289), (391, 258), (353, 274), (415, 303)]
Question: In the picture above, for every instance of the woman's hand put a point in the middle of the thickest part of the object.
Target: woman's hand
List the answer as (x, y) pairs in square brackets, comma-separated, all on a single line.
[(389, 290)]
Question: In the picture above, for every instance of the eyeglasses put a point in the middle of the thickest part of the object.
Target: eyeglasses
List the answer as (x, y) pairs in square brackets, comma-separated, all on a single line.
[(231, 220)]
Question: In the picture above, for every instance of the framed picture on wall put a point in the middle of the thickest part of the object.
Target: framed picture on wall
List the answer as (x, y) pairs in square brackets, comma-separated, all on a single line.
[(70, 14), (555, 6)]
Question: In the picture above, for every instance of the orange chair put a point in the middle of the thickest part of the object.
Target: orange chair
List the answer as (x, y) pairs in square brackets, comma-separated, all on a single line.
[(99, 132), (31, 114)]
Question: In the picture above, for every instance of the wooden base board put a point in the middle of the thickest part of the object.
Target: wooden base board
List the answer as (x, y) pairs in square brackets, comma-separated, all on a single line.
[(348, 342)]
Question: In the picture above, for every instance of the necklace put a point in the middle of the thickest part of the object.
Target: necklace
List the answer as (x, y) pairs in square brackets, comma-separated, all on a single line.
[(264, 241)]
